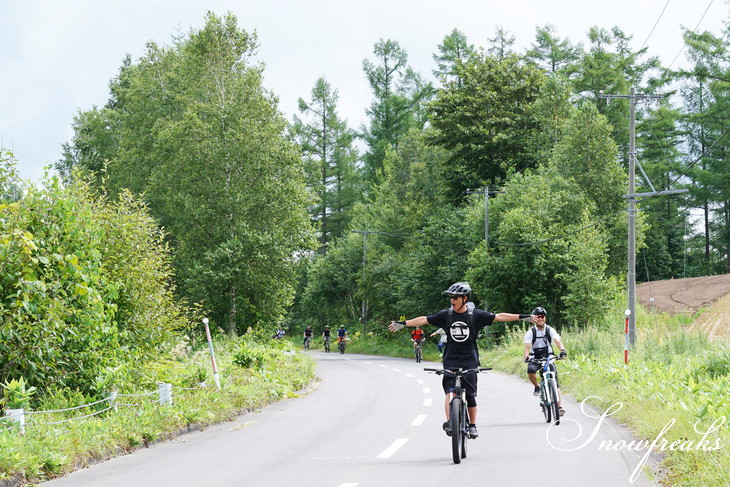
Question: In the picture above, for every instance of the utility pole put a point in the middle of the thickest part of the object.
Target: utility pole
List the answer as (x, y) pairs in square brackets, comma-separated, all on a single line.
[(486, 192), (633, 97)]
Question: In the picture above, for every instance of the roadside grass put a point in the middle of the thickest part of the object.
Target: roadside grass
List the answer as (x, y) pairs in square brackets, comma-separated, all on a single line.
[(252, 376), (673, 392)]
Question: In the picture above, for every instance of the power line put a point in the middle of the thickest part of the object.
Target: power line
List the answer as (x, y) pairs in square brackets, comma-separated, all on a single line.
[(655, 24), (693, 31)]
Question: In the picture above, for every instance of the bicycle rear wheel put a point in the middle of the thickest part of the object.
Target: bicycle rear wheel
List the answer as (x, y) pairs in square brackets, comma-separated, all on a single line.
[(418, 354), (457, 433), (554, 405)]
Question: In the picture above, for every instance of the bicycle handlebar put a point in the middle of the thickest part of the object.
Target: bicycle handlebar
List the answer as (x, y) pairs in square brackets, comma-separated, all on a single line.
[(458, 372), (550, 358)]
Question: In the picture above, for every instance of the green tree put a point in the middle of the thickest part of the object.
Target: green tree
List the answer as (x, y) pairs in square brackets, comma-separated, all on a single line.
[(706, 123), (486, 121), (400, 95), (454, 51), (500, 46), (203, 140), (553, 54), (588, 155), (545, 251), (332, 173), (84, 287), (611, 67), (658, 143)]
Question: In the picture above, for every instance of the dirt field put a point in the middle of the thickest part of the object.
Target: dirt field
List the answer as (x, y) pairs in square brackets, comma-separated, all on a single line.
[(691, 295)]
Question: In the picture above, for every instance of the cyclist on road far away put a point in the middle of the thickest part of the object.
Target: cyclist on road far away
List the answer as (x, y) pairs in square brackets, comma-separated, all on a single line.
[(326, 334), (341, 334), (462, 324), (537, 345), (417, 337), (308, 332)]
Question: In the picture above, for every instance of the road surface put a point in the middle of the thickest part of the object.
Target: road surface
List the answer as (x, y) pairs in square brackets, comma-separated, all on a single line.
[(376, 421)]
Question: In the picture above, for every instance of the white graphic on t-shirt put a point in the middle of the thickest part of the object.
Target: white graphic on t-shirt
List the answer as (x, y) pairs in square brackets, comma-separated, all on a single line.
[(459, 331)]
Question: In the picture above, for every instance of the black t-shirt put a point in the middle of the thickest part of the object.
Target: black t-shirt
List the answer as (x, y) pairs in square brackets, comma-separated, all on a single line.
[(461, 339)]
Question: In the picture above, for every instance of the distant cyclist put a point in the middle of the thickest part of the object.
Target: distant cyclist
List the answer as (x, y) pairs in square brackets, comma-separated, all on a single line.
[(462, 324), (341, 334), (326, 336), (538, 345), (308, 332), (417, 337)]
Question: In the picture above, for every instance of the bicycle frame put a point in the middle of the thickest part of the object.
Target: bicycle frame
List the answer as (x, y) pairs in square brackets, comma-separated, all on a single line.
[(548, 388)]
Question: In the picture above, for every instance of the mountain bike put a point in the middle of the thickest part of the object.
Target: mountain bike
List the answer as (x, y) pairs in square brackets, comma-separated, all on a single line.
[(548, 388), (306, 343), (419, 351), (341, 344), (458, 413), (327, 344)]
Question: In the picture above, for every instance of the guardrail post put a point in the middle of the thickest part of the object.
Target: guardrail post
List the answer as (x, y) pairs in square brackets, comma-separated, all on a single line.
[(165, 394), (17, 416), (113, 400)]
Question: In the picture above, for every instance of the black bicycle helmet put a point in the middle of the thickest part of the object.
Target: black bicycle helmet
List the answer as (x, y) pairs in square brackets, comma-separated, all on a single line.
[(539, 311), (459, 289)]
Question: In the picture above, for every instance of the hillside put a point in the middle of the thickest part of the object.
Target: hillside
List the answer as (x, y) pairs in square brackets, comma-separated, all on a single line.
[(691, 295)]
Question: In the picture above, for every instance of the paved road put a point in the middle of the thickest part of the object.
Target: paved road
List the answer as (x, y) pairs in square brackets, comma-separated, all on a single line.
[(376, 421)]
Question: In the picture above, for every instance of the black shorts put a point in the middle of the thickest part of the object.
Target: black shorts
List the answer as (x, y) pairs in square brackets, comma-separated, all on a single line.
[(533, 368), (468, 382)]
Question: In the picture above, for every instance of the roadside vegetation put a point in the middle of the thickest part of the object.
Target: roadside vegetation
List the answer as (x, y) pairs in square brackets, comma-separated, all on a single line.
[(254, 372)]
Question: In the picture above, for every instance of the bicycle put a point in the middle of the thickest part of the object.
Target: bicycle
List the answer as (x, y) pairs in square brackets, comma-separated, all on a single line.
[(548, 388), (418, 351), (458, 413), (341, 344), (306, 343), (327, 344)]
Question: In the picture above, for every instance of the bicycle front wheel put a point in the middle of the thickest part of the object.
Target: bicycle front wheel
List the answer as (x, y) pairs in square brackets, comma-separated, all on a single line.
[(554, 405), (457, 433), (464, 418), (418, 354), (545, 402)]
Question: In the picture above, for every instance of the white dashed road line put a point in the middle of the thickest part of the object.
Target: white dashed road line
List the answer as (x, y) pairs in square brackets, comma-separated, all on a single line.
[(419, 420), (388, 452)]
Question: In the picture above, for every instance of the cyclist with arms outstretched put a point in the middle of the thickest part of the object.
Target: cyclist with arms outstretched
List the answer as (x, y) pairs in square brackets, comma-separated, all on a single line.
[(462, 324)]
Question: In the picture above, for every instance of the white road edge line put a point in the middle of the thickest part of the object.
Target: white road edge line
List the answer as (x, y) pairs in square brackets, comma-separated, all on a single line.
[(388, 452), (419, 420)]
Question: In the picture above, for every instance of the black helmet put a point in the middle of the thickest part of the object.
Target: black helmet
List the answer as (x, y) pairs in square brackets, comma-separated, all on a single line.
[(539, 311), (459, 289)]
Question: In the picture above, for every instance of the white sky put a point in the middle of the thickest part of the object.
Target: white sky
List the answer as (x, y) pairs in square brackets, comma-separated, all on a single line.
[(58, 56)]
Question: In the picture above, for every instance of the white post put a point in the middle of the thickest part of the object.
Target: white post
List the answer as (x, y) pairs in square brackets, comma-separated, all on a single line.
[(17, 416), (212, 354), (113, 400), (165, 391), (627, 337)]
